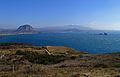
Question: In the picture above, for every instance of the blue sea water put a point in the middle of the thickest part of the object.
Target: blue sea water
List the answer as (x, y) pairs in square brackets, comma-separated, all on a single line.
[(91, 43)]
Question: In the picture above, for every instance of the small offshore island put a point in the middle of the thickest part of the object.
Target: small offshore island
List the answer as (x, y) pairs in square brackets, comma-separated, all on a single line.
[(26, 60)]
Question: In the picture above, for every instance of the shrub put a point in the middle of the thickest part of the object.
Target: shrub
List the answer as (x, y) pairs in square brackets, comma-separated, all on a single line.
[(38, 58), (101, 65), (117, 76), (8, 44), (73, 57), (117, 65)]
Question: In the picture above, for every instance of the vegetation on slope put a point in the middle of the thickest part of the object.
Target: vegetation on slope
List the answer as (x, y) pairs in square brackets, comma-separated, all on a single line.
[(38, 58), (20, 60)]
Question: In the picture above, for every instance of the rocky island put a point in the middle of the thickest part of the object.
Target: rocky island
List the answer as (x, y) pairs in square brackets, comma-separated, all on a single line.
[(26, 60), (103, 34), (23, 29)]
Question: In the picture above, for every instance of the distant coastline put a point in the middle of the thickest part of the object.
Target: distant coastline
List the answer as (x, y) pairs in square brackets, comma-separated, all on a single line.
[(5, 34)]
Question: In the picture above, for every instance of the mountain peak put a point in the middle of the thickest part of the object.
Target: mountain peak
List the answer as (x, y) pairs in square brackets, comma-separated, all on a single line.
[(25, 28)]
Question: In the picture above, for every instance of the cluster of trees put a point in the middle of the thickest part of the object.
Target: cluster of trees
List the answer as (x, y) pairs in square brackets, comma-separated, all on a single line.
[(38, 58)]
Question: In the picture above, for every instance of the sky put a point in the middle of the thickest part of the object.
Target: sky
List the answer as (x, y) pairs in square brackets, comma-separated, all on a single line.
[(97, 14)]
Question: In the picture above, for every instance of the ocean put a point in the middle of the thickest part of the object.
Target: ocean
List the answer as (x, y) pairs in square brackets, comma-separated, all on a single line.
[(91, 43)]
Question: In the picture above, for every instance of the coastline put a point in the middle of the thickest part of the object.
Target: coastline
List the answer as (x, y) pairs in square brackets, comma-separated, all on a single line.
[(5, 34)]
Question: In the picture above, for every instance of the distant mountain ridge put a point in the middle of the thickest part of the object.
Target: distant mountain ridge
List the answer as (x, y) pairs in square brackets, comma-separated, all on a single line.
[(28, 29), (66, 28)]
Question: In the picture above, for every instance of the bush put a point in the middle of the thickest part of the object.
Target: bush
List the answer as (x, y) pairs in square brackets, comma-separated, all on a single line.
[(117, 76), (73, 57), (38, 58), (8, 44), (101, 65), (117, 65)]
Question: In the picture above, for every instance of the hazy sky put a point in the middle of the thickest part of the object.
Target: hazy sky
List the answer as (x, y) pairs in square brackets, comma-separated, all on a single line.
[(99, 14)]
